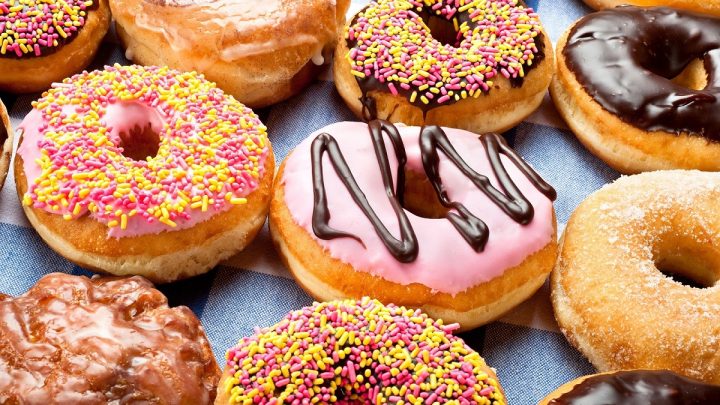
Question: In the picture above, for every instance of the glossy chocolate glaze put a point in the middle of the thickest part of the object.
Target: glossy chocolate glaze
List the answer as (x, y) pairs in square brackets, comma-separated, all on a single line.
[(625, 57), (432, 141), (72, 340), (640, 388), (368, 84)]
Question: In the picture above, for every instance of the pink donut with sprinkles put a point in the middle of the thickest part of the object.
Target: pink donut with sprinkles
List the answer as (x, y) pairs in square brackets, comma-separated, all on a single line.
[(352, 352), (144, 170), (479, 65), (44, 41)]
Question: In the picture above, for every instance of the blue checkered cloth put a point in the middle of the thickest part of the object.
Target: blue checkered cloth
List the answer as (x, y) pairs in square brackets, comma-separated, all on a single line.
[(254, 289)]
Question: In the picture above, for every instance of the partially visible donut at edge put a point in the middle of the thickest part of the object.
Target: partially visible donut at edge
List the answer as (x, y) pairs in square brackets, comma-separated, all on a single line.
[(72, 340), (6, 143), (463, 259), (145, 171), (625, 85), (700, 6), (487, 74)]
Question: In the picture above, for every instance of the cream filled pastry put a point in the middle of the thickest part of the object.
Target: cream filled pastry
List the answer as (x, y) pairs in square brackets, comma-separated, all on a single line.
[(437, 218), (260, 51), (133, 170)]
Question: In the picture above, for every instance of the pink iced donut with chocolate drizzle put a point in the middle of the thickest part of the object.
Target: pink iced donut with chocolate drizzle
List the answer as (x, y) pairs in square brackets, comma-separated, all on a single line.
[(437, 218), (144, 170)]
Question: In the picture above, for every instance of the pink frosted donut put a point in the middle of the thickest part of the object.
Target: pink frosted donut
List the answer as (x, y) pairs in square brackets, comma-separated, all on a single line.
[(144, 170), (467, 234), (357, 352)]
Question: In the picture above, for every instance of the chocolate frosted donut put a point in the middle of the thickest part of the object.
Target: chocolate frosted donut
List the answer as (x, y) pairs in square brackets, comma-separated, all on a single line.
[(657, 387), (73, 340), (640, 87)]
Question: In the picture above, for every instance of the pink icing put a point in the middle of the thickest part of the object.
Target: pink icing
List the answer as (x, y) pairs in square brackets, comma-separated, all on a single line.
[(445, 262)]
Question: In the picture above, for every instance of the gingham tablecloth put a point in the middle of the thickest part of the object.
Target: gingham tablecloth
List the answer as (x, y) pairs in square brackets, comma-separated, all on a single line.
[(254, 289)]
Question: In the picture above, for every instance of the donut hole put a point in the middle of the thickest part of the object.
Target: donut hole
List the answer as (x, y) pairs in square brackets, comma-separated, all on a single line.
[(420, 197), (694, 76), (689, 263), (138, 129), (441, 29)]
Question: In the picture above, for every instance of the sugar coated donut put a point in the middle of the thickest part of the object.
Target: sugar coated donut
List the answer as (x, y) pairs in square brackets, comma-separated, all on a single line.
[(640, 87), (148, 171), (477, 65), (633, 387), (72, 340), (701, 6), (612, 298), (440, 219), (350, 352), (43, 41), (260, 51), (6, 143)]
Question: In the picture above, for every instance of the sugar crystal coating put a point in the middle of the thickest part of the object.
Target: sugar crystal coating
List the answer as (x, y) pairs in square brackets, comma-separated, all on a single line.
[(349, 352)]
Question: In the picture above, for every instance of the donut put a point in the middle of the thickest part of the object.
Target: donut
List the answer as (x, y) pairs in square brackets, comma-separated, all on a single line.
[(6, 143), (636, 282), (435, 218), (144, 171), (477, 65), (74, 340), (657, 387), (638, 88), (350, 352), (45, 41), (261, 52), (700, 6)]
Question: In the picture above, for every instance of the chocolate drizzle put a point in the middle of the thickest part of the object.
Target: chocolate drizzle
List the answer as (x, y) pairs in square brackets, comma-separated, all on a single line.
[(640, 388), (625, 57), (369, 83), (406, 248), (432, 140)]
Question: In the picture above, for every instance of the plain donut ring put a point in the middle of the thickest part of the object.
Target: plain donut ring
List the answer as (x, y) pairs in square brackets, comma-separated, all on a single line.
[(610, 299)]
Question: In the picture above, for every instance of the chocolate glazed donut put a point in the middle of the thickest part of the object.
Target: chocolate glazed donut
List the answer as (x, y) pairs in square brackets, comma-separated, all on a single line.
[(641, 50)]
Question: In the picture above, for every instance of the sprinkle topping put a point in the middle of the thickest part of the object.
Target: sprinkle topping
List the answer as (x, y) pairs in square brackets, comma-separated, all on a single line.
[(358, 352), (391, 43), (32, 27), (211, 151)]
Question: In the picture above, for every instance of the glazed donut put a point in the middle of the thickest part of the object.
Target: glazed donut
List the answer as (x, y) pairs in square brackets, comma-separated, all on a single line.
[(42, 42), (701, 6), (403, 61), (72, 340), (657, 387), (261, 52), (610, 298), (623, 88), (6, 143), (147, 171), (349, 352), (350, 222)]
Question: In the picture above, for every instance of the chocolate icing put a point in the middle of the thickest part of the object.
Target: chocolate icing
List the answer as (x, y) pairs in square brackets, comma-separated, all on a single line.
[(432, 140), (625, 57), (369, 83), (640, 388)]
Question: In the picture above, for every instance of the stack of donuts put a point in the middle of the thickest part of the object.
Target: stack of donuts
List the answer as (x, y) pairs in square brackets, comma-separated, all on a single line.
[(414, 223)]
